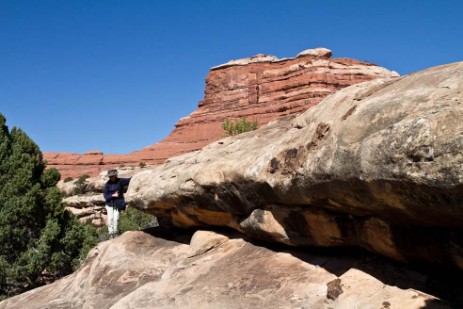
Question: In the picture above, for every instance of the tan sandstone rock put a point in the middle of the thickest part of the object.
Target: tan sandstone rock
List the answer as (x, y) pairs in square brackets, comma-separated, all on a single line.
[(87, 208), (141, 271), (377, 165), (261, 88), (203, 241)]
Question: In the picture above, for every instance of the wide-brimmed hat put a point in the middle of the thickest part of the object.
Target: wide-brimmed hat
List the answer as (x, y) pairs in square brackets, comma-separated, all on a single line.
[(112, 173)]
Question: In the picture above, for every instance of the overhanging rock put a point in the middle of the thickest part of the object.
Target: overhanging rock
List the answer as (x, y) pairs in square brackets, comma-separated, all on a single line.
[(377, 165)]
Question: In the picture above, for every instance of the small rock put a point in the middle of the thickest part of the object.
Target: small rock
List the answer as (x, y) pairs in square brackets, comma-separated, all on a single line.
[(203, 241)]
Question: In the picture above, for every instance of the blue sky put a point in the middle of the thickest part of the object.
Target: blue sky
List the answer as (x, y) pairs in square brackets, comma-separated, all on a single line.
[(116, 75)]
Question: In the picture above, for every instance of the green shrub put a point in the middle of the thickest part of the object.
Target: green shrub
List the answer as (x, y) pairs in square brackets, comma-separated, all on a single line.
[(80, 184), (142, 164), (234, 127), (130, 220), (39, 239), (68, 179), (82, 179), (133, 220)]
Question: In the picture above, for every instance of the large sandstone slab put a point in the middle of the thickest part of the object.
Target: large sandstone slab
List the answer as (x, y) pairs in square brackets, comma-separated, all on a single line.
[(142, 271), (377, 165), (259, 88)]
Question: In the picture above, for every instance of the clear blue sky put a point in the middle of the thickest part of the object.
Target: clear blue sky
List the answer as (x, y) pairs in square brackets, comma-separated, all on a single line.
[(115, 76)]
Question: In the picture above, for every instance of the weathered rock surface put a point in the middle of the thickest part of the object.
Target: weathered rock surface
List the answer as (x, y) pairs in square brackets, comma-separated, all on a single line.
[(377, 165), (93, 163), (88, 207), (138, 270), (259, 88)]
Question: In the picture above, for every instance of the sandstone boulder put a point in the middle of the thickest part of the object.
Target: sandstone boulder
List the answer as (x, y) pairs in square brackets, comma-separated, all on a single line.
[(316, 52), (377, 165), (203, 241), (88, 208), (139, 270)]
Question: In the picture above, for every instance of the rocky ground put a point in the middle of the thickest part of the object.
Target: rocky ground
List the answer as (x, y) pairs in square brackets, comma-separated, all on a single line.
[(174, 269)]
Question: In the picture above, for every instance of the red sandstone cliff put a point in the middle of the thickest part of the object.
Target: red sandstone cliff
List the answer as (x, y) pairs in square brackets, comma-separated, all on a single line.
[(259, 88)]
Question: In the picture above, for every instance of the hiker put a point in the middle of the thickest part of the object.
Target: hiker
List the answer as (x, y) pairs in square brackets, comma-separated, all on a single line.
[(115, 203)]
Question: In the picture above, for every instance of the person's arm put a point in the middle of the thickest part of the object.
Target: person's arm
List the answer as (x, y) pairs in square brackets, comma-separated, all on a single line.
[(107, 195)]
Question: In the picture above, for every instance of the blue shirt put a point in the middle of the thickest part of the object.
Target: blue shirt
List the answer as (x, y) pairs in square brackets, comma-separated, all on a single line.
[(112, 187)]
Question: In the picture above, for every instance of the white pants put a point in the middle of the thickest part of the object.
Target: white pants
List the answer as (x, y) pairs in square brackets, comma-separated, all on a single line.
[(113, 219)]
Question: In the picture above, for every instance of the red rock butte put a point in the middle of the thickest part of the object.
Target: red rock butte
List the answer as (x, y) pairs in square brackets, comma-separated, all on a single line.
[(260, 88)]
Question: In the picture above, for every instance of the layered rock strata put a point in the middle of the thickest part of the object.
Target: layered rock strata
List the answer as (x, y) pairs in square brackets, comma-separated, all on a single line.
[(259, 88), (377, 165), (168, 270)]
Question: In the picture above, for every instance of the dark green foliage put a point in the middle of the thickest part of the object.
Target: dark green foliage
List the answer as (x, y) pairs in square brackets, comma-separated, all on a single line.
[(82, 178), (39, 240), (50, 177), (133, 219), (234, 127), (142, 164), (81, 184), (68, 179)]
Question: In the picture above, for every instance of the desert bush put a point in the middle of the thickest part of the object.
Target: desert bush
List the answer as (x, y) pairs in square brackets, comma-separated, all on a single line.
[(234, 127), (81, 184), (39, 240), (131, 219), (68, 179), (82, 179)]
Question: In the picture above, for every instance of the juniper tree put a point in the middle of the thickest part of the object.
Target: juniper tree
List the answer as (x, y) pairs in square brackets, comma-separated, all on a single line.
[(39, 239)]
